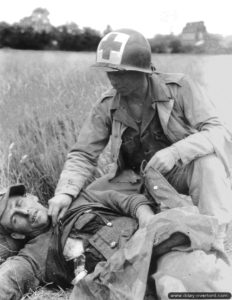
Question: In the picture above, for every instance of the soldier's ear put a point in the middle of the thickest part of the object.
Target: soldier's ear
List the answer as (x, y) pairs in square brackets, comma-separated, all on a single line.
[(18, 236)]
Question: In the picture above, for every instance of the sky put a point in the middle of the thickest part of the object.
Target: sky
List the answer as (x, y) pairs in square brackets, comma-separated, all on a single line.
[(150, 17)]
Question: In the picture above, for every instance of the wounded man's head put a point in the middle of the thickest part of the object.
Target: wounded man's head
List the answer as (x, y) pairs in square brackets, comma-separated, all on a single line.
[(21, 214)]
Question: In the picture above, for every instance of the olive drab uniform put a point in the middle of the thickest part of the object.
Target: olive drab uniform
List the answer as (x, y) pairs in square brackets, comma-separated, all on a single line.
[(142, 139), (178, 117), (188, 122)]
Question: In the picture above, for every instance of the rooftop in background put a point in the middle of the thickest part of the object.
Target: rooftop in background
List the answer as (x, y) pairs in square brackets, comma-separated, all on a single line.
[(194, 33)]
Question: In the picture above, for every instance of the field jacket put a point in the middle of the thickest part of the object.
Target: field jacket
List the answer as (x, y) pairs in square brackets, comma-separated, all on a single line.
[(187, 116), (42, 261), (125, 274)]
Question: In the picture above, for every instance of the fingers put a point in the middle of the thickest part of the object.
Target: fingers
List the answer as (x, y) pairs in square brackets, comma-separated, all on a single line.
[(62, 213), (163, 161), (53, 212), (150, 163), (153, 162), (58, 206)]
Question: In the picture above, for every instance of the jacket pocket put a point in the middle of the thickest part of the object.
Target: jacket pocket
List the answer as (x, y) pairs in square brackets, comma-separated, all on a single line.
[(110, 238)]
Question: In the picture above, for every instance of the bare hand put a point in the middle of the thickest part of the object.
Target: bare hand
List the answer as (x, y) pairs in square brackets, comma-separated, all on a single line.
[(58, 206), (163, 161)]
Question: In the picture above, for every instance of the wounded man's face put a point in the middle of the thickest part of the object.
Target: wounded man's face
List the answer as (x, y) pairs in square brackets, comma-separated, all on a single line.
[(25, 215)]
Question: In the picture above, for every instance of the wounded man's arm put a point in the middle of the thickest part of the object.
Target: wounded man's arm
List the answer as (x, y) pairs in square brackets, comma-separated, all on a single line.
[(24, 272), (17, 278), (120, 203)]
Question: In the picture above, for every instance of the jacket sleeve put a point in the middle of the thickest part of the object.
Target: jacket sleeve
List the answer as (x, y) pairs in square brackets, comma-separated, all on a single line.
[(24, 272), (17, 278), (200, 114), (118, 202), (82, 159)]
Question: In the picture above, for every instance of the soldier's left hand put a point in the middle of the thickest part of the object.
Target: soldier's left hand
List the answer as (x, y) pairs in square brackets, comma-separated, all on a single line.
[(163, 160)]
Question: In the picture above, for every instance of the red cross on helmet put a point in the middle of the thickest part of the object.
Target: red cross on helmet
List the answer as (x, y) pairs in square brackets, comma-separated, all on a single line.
[(124, 49)]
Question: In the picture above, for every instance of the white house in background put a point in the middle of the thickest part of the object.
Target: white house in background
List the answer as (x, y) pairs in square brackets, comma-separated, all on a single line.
[(194, 33)]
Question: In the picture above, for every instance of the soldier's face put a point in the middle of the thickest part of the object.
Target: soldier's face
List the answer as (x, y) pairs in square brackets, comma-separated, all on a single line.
[(25, 215), (126, 82)]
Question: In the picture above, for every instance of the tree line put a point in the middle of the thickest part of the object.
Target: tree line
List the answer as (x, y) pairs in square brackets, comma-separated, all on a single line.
[(37, 33)]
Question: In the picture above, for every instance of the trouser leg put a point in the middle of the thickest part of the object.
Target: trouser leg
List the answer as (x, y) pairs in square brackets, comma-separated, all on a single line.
[(210, 188), (206, 182)]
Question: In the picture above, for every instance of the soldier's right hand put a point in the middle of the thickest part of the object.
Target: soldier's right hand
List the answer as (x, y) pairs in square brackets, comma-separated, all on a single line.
[(58, 205)]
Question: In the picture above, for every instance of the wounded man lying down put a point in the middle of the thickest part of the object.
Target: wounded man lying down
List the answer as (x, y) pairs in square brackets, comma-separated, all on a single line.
[(111, 246)]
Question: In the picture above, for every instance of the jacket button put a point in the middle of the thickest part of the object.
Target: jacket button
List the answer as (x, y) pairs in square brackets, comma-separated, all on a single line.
[(155, 187), (109, 224), (113, 244)]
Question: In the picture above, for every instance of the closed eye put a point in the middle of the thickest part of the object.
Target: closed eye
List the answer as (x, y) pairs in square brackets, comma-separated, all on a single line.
[(14, 221), (19, 203)]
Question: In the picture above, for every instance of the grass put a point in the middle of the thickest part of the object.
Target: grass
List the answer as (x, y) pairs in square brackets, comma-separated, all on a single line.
[(44, 99), (43, 293)]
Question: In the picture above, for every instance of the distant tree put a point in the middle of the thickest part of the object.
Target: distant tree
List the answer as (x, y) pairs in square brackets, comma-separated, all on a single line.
[(4, 28), (213, 43), (36, 32), (160, 43), (32, 32), (69, 37), (10, 36), (175, 45), (38, 20), (91, 39), (73, 28)]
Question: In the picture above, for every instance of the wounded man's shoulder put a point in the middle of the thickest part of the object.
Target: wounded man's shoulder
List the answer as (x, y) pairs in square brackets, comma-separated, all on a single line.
[(41, 241)]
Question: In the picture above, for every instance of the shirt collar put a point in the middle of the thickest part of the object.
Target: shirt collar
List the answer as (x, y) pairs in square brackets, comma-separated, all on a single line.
[(159, 90)]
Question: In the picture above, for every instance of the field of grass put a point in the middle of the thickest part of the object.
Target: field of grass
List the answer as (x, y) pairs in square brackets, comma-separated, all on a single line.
[(46, 96), (44, 99)]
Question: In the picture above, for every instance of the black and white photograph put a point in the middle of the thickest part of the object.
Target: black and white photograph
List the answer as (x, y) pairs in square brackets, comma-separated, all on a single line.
[(115, 150)]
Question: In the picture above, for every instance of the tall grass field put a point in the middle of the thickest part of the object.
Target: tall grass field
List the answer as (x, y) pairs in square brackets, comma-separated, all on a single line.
[(45, 98)]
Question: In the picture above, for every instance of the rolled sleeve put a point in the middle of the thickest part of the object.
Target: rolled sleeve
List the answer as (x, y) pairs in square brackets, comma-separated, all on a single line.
[(82, 159)]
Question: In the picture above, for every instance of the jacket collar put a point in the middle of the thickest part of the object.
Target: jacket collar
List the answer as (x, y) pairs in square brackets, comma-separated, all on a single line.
[(159, 89)]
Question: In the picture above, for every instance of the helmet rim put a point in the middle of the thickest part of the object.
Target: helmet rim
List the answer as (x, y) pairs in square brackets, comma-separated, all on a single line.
[(107, 67)]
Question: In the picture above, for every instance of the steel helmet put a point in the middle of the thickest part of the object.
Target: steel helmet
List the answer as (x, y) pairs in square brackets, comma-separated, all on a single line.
[(124, 49)]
